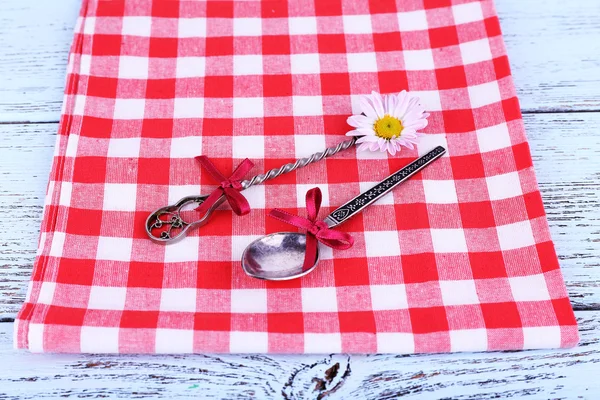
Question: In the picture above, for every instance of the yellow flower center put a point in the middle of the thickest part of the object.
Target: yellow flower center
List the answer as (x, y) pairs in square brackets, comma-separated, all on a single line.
[(388, 127)]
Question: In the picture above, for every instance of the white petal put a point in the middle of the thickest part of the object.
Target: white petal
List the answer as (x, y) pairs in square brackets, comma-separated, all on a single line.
[(401, 105), (414, 112), (364, 146), (401, 96), (354, 133), (361, 132), (409, 133), (374, 146), (367, 107), (364, 139), (360, 121), (391, 148), (382, 144), (390, 103), (414, 101), (367, 131), (377, 104), (352, 121), (415, 124)]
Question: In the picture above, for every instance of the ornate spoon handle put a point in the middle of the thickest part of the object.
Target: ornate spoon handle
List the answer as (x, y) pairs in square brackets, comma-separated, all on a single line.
[(167, 225), (364, 199)]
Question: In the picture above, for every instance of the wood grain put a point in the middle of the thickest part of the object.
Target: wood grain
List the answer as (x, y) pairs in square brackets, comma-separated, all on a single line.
[(566, 156), (25, 158), (539, 374), (35, 37), (568, 176), (552, 47)]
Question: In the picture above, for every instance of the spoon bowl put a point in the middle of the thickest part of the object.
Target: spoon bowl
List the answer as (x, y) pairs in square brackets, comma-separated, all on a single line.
[(277, 257)]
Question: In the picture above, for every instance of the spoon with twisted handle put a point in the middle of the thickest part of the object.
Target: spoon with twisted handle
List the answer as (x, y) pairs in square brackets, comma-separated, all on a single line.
[(280, 256), (170, 223)]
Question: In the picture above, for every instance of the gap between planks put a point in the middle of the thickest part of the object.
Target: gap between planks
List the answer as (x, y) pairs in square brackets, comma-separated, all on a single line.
[(28, 122), (524, 112)]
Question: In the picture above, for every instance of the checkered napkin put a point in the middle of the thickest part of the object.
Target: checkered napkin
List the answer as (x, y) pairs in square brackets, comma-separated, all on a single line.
[(458, 258)]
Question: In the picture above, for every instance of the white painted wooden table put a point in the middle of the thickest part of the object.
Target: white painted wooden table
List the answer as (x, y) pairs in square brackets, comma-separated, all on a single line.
[(554, 49)]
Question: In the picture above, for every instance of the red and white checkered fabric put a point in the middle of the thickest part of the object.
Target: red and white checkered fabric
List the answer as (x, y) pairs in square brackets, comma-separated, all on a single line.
[(459, 258)]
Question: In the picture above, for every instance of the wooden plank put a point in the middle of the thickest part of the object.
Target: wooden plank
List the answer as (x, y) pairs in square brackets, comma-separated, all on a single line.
[(566, 152), (541, 374), (35, 37), (551, 45), (25, 161), (566, 155)]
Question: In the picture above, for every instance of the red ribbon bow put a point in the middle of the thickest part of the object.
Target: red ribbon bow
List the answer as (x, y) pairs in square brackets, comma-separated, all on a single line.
[(316, 231), (230, 187)]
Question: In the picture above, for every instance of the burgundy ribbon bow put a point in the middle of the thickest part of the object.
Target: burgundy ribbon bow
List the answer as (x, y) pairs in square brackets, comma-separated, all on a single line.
[(316, 231), (230, 187)]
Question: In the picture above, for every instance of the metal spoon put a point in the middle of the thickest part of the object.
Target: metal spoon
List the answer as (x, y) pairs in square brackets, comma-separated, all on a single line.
[(280, 256), (171, 223)]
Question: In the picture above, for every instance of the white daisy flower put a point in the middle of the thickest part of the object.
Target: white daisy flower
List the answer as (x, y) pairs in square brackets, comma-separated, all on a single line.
[(388, 122)]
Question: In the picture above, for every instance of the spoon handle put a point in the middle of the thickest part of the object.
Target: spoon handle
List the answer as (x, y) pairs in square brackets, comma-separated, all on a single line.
[(357, 204), (167, 224), (302, 162)]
